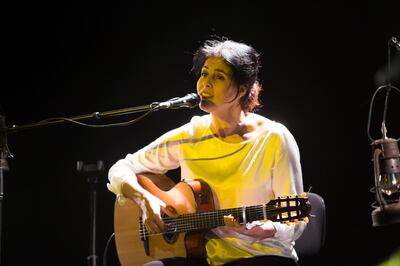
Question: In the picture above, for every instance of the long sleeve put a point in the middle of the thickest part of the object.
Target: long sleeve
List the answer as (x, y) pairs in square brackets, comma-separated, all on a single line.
[(287, 180), (158, 157)]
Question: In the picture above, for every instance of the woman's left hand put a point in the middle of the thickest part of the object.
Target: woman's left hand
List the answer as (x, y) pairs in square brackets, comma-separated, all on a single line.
[(267, 229)]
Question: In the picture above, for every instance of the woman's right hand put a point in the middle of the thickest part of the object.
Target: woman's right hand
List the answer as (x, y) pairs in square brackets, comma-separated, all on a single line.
[(152, 208)]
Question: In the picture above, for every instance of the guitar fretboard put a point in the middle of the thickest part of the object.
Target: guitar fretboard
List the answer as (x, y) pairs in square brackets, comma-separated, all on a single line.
[(207, 220)]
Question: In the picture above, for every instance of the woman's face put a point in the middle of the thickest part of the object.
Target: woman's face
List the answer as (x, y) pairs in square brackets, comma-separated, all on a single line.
[(215, 86)]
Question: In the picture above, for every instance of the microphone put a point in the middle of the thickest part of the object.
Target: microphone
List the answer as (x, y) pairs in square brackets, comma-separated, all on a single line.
[(191, 100), (395, 43)]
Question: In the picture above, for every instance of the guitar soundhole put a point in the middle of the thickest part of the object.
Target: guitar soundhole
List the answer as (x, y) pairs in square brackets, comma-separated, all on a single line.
[(170, 235)]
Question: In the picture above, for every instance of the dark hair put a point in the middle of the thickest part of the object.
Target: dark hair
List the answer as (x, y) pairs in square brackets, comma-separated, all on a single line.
[(245, 63)]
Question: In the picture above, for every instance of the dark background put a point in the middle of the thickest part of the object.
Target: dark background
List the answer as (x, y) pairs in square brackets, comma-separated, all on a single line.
[(320, 65)]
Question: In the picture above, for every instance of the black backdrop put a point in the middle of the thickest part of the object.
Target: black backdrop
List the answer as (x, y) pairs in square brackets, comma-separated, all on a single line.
[(319, 72)]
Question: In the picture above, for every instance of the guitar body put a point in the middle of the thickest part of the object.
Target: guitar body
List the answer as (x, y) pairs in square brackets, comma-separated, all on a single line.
[(185, 198)]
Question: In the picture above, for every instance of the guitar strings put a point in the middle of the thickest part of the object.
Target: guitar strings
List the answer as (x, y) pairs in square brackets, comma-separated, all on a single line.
[(213, 219), (205, 220), (176, 229), (198, 221), (249, 210), (216, 212), (213, 214)]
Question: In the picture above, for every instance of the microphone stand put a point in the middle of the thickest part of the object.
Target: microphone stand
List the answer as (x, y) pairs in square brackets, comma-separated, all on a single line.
[(3, 167), (95, 115), (91, 171), (4, 131)]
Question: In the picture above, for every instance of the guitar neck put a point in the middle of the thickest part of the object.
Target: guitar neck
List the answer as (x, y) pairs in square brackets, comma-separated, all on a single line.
[(207, 220), (288, 209)]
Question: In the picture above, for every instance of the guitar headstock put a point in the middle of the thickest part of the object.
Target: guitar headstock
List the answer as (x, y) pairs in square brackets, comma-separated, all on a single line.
[(289, 209)]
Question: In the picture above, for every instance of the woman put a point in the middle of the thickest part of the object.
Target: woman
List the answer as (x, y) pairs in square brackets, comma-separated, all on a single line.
[(246, 158)]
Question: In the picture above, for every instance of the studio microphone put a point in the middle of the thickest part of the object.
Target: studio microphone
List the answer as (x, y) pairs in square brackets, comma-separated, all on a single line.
[(191, 100), (395, 43)]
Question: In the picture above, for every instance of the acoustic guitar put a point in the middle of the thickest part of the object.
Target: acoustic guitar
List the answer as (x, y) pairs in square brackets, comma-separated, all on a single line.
[(184, 235)]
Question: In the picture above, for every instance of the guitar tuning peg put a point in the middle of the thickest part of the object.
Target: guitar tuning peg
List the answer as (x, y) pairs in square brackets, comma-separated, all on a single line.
[(304, 194), (296, 221), (285, 195), (306, 220)]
